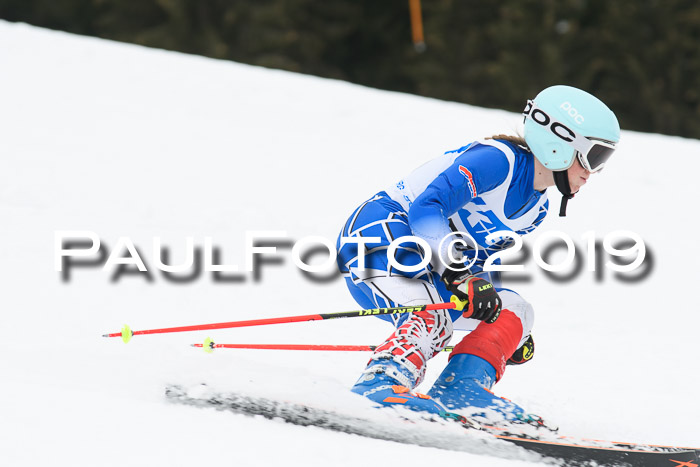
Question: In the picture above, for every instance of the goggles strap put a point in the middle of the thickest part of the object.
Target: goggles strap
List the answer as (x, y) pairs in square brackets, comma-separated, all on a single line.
[(561, 179)]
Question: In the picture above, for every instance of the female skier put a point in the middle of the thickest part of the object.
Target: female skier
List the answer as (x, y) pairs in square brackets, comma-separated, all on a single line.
[(492, 185)]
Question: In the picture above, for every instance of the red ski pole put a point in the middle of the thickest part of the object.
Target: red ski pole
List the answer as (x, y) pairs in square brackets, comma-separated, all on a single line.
[(209, 346), (126, 333)]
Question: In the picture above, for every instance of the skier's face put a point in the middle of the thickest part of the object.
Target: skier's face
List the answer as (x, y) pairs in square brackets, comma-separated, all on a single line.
[(578, 176)]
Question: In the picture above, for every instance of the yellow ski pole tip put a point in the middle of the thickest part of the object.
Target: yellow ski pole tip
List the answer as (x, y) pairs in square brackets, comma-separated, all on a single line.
[(126, 334), (208, 345)]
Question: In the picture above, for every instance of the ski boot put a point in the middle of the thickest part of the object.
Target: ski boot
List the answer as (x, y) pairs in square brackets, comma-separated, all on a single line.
[(386, 383), (465, 384)]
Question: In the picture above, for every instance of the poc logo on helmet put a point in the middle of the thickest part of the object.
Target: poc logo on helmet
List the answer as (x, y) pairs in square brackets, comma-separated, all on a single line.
[(541, 118), (573, 113)]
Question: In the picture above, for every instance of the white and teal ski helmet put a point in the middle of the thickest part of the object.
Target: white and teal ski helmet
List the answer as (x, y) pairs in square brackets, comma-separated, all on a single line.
[(563, 123)]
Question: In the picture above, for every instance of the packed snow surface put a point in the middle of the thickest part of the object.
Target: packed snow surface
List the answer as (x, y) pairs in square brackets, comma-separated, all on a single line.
[(131, 143)]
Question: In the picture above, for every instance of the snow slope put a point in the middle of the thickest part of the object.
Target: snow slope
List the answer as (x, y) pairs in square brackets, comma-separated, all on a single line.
[(132, 142)]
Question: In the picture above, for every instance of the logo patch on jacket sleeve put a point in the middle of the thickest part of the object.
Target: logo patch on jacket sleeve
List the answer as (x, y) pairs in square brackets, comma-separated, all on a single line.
[(470, 179)]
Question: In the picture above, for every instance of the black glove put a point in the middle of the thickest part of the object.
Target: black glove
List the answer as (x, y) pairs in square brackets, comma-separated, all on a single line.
[(475, 297), (524, 354)]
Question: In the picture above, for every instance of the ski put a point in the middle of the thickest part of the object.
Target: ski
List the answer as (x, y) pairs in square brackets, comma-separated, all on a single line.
[(414, 428), (431, 431), (614, 454)]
